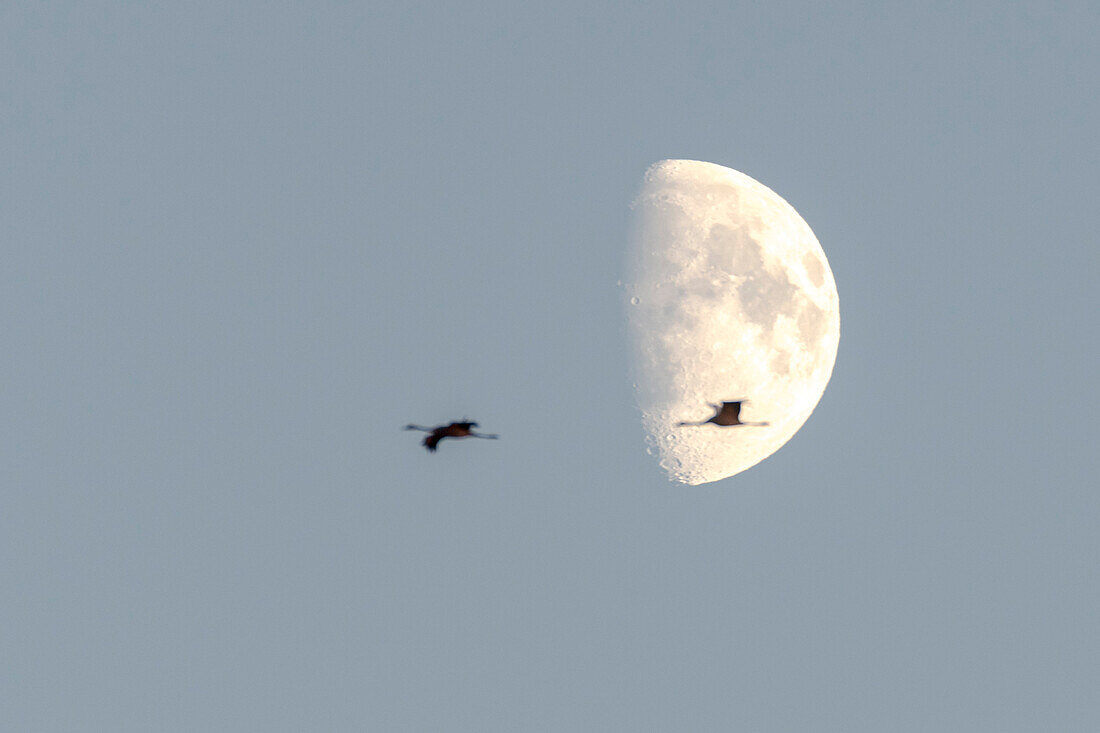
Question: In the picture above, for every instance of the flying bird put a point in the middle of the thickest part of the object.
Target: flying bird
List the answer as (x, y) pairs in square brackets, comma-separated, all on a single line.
[(728, 413), (454, 430)]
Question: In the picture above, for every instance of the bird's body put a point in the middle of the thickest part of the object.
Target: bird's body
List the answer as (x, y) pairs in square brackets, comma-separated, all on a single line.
[(727, 414), (454, 430)]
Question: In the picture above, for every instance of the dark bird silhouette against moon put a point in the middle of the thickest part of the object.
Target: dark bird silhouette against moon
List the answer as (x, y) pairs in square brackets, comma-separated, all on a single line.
[(454, 430), (728, 414)]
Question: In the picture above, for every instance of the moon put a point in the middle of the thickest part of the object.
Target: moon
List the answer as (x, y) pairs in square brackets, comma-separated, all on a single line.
[(730, 297)]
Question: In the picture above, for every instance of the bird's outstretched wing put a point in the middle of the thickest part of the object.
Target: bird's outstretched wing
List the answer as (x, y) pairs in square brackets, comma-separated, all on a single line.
[(730, 411), (432, 441)]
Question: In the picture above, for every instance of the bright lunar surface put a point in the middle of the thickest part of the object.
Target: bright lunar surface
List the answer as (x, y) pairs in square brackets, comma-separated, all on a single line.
[(730, 298)]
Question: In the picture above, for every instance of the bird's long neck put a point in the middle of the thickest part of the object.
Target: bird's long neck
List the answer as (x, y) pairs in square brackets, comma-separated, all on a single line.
[(418, 427)]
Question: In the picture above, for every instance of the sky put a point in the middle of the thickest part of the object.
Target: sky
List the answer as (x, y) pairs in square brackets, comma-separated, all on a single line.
[(244, 244)]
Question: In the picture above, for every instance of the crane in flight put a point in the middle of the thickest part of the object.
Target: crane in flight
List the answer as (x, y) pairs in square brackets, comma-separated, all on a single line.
[(454, 430), (728, 414)]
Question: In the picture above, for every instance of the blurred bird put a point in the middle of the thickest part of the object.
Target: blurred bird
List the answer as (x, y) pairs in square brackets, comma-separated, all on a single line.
[(728, 413), (454, 430)]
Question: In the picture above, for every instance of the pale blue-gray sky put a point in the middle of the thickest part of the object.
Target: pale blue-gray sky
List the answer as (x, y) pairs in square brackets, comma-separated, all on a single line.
[(244, 243)]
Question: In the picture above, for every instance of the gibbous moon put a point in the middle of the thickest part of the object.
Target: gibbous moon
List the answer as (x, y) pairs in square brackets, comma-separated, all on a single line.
[(730, 297)]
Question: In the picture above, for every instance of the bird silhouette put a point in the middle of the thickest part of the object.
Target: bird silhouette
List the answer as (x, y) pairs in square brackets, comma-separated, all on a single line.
[(728, 414), (454, 430)]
